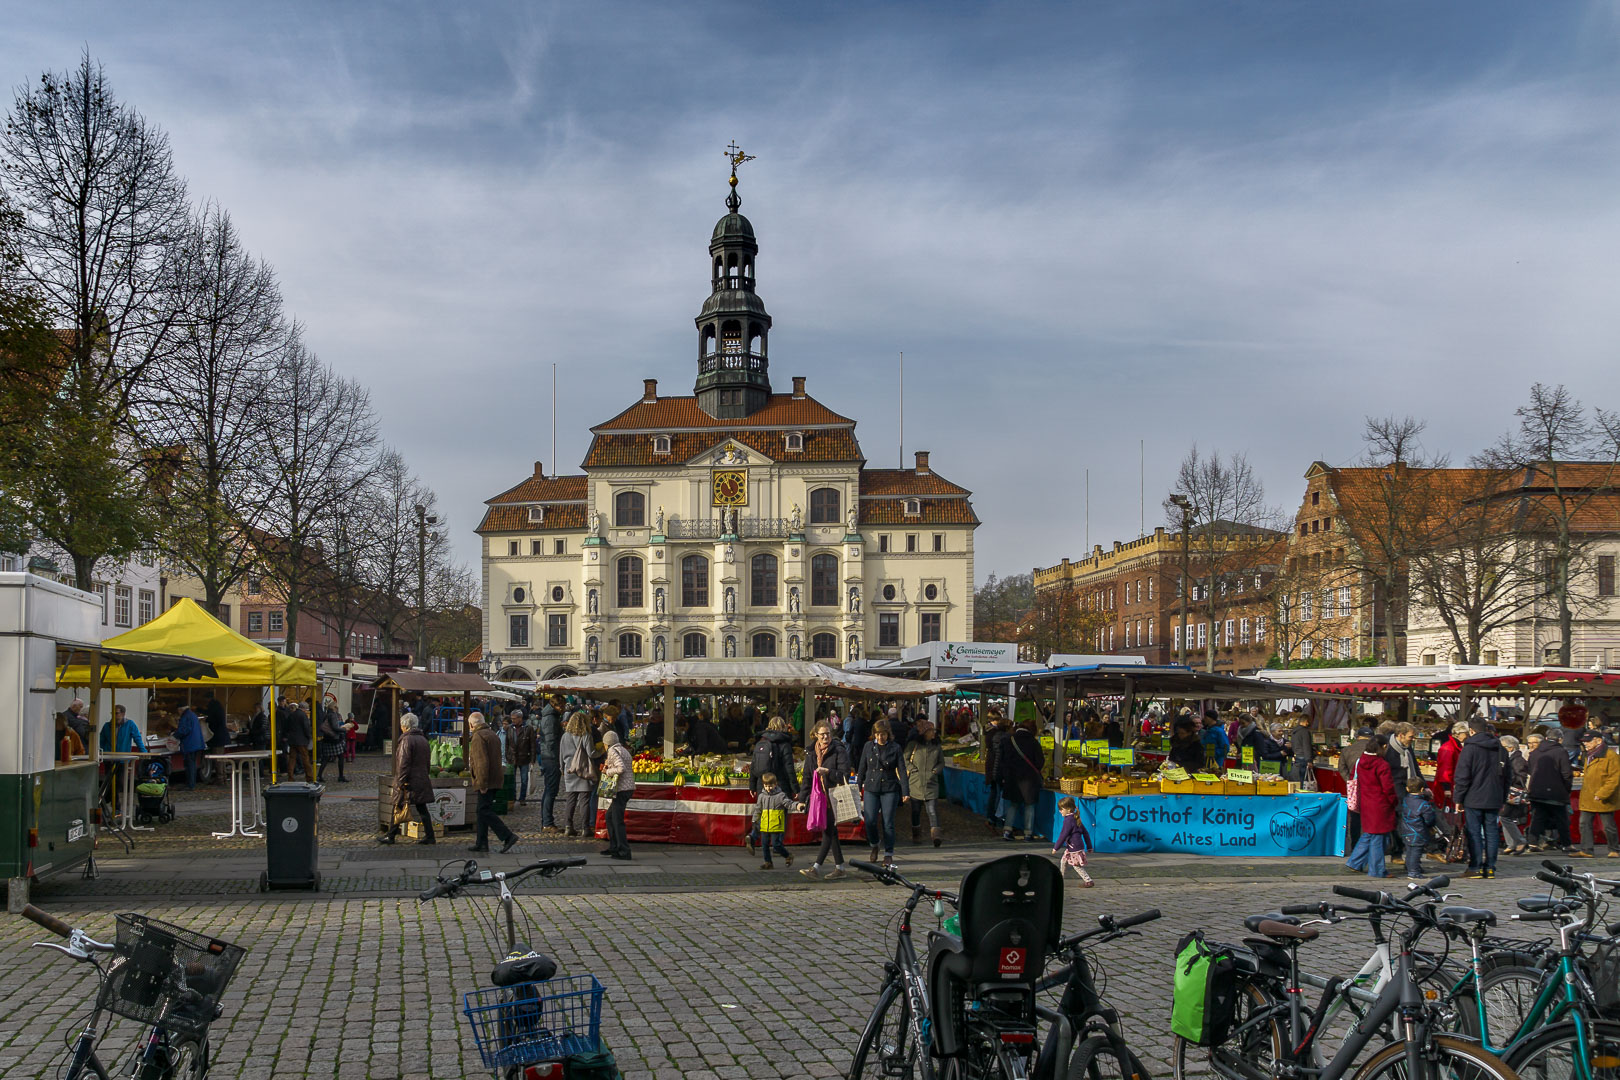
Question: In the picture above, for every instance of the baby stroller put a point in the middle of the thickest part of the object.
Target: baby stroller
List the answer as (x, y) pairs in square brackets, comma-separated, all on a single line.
[(152, 793)]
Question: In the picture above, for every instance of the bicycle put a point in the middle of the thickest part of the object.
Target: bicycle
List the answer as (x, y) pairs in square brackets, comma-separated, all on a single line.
[(1082, 1031), (972, 1008), (1274, 1035), (528, 1022), (161, 975)]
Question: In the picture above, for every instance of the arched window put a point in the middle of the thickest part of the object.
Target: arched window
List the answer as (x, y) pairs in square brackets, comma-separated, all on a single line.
[(695, 581), (763, 580), (824, 506), (764, 644), (824, 581), (629, 509), (630, 646), (824, 647), (630, 573), (694, 645)]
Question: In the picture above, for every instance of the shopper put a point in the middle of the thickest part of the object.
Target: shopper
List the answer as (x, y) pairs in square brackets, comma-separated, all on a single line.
[(771, 807), (925, 765), (826, 764), (484, 759), (1516, 811), (1480, 787), (1550, 784), (413, 784), (1021, 762), (578, 775), (773, 754), (1348, 759), (882, 777), (1600, 793), (1402, 756), (995, 735), (1186, 748), (1445, 767), (299, 736), (618, 783), (1073, 841), (1377, 803), (1303, 750), (1419, 823), (1214, 739), (520, 743), (548, 745), (331, 743), (188, 733)]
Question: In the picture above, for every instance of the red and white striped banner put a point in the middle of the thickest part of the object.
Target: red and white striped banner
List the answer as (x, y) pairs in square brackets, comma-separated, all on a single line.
[(693, 814)]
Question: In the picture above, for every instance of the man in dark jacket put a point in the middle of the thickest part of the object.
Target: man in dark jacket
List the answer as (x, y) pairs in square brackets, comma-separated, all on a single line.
[(703, 737), (521, 740), (1302, 750), (994, 733), (1402, 756), (547, 745), (1021, 760), (1550, 783), (413, 784), (1480, 788), (218, 732), (484, 760)]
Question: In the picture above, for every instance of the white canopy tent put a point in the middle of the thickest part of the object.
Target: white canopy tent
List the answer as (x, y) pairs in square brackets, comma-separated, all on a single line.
[(806, 676)]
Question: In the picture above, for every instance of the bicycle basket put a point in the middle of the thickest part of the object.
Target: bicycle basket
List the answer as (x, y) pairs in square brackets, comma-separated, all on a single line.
[(154, 961), (532, 1022), (1603, 969)]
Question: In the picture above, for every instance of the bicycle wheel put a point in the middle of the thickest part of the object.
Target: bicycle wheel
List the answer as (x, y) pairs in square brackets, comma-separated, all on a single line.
[(1450, 1058), (1508, 992), (1550, 1054), (1253, 1050), (886, 1047), (1096, 1059)]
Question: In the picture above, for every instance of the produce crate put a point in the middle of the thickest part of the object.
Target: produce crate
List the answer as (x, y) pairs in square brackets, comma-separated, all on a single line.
[(1270, 785), (1099, 787), (1232, 787), (1141, 786), (1177, 787)]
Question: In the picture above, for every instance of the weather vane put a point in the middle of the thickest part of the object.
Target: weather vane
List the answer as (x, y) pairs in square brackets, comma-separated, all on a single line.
[(737, 157)]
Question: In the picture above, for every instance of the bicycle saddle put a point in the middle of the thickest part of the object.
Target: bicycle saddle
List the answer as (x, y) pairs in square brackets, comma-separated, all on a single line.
[(1458, 914), (1545, 903), (1252, 923), (535, 967), (1286, 931)]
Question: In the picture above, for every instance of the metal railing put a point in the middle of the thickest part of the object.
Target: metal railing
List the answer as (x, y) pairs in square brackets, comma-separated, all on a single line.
[(734, 361)]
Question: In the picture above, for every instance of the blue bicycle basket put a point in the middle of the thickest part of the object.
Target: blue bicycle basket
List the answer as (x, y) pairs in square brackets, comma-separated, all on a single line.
[(531, 1022)]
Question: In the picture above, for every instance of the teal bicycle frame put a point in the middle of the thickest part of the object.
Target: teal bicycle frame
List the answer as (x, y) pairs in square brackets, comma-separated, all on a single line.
[(1559, 998)]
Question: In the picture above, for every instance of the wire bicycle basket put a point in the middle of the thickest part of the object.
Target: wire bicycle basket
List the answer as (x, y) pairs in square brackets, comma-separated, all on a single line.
[(532, 1022), (154, 962)]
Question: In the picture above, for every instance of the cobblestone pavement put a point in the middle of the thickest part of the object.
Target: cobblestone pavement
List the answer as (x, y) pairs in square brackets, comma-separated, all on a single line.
[(732, 984)]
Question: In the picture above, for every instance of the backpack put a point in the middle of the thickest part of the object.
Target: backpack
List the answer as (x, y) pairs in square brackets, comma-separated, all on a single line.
[(764, 759), (1205, 995), (580, 764)]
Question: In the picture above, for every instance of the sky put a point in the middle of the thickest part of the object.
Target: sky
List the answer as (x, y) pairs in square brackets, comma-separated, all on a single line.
[(1101, 233)]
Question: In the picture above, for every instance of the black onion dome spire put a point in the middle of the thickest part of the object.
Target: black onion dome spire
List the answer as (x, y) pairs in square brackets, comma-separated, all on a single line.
[(733, 326)]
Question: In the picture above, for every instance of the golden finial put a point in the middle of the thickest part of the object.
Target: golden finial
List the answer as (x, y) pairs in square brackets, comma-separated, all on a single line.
[(737, 157)]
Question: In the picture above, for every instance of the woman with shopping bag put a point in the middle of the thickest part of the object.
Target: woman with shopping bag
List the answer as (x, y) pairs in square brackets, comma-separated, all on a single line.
[(826, 766)]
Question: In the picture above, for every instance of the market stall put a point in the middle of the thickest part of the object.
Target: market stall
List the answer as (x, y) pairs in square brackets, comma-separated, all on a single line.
[(709, 805)]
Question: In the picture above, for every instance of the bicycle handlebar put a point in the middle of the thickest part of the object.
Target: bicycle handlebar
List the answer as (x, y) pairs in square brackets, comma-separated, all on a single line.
[(1363, 895), (48, 921), (471, 875), (1563, 881), (1137, 920)]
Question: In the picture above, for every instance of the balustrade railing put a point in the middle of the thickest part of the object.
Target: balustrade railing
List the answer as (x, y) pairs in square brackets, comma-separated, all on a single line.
[(712, 529)]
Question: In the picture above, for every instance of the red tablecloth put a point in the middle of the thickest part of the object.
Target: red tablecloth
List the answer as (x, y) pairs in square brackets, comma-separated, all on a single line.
[(693, 814)]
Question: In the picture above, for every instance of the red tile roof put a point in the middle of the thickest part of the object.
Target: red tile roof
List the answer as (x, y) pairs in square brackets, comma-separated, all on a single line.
[(826, 444), (545, 489), (509, 518), (934, 512), (877, 482), (671, 414)]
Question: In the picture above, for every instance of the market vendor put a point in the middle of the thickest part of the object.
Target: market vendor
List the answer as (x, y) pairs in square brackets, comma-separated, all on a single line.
[(1186, 749)]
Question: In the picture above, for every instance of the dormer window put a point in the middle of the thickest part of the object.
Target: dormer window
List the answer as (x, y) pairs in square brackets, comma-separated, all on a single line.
[(537, 515), (660, 444), (793, 441), (913, 507)]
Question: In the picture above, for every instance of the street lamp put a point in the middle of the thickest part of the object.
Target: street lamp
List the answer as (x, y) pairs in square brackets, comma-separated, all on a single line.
[(423, 520), (1182, 503)]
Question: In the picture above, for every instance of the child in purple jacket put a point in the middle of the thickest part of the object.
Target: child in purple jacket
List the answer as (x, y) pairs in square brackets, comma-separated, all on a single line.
[(1072, 842)]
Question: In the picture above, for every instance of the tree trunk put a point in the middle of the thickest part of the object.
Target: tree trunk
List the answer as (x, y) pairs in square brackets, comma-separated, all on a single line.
[(1566, 616), (84, 572), (1389, 622)]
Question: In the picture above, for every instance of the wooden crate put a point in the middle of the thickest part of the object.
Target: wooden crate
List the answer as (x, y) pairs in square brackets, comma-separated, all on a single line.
[(1103, 786), (1178, 787), (1232, 787), (1270, 785), (1140, 786)]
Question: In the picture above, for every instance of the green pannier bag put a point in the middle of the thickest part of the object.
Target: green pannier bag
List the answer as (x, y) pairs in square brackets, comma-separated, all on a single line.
[(597, 1065), (1205, 994)]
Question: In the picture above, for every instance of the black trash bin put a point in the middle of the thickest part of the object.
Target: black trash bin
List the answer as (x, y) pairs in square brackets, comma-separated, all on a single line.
[(291, 811)]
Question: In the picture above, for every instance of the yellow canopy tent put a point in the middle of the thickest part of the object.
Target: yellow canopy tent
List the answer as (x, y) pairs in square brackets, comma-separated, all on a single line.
[(187, 630)]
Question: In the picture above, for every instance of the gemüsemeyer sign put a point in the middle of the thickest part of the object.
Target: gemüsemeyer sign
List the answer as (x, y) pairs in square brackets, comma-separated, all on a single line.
[(1247, 825)]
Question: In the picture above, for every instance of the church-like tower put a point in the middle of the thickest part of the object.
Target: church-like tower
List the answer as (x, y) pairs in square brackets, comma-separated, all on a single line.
[(733, 328)]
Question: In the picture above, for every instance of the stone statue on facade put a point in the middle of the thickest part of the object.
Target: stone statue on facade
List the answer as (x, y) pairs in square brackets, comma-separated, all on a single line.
[(658, 600), (658, 522), (793, 646), (590, 602), (658, 649), (731, 647), (731, 601), (597, 521), (590, 650), (854, 599), (793, 600), (850, 520), (796, 520), (728, 517), (854, 648)]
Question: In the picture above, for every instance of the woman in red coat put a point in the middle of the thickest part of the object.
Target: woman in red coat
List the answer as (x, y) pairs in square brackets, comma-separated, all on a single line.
[(1375, 794), (1445, 766)]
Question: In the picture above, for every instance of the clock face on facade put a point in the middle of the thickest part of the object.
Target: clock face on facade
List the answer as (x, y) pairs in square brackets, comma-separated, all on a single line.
[(730, 488)]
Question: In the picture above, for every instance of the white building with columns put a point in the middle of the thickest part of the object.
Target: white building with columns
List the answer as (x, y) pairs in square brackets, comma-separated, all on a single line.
[(733, 522)]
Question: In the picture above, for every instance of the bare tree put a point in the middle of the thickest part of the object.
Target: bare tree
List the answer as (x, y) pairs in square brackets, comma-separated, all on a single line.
[(204, 399), (1566, 459), (392, 549), (1473, 573), (1232, 527), (102, 208), (1390, 519), (321, 436)]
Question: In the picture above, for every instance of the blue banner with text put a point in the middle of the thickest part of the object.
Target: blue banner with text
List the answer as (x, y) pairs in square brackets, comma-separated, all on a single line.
[(1259, 825)]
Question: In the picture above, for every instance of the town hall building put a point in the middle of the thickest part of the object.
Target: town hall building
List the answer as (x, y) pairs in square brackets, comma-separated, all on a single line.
[(734, 522)]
